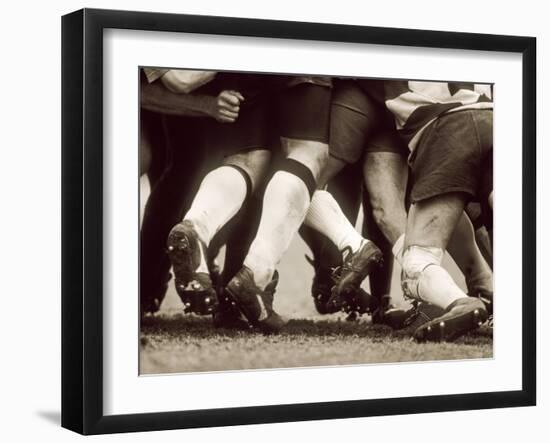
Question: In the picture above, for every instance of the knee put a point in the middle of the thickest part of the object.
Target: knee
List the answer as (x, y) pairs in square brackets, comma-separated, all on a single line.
[(315, 156), (254, 164), (320, 153), (379, 213), (389, 216), (312, 154)]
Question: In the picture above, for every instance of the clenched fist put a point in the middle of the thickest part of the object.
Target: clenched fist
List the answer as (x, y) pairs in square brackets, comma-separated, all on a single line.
[(227, 106)]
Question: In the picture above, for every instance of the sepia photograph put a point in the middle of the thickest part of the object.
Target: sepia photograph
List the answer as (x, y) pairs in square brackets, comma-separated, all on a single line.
[(297, 220)]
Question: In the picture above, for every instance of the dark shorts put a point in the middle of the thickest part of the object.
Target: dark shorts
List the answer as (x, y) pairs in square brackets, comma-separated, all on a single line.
[(454, 154), (274, 107), (359, 124)]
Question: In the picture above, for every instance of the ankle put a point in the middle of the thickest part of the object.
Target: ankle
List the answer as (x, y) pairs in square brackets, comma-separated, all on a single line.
[(200, 227)]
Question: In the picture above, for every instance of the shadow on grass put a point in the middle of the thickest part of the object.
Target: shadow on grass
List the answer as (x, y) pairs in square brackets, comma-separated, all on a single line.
[(201, 327)]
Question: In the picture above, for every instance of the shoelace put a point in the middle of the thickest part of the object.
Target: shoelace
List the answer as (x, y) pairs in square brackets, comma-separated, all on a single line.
[(348, 258)]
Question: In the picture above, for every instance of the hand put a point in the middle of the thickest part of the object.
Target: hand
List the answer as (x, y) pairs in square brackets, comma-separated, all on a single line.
[(227, 106)]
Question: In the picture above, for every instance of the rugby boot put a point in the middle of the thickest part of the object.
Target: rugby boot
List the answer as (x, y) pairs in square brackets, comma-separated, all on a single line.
[(462, 316), (255, 304), (194, 287), (393, 316), (348, 278), (321, 288)]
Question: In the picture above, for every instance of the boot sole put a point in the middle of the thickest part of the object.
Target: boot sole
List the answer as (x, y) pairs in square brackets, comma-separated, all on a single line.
[(449, 328), (182, 246)]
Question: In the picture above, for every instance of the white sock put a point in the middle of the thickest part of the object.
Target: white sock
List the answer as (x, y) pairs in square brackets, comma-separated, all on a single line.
[(286, 200), (220, 196), (425, 279), (325, 216), (397, 249)]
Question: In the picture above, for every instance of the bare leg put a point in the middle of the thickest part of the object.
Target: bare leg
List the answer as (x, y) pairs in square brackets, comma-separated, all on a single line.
[(255, 163), (379, 281), (465, 251), (333, 167), (432, 222), (385, 175), (430, 225), (385, 178)]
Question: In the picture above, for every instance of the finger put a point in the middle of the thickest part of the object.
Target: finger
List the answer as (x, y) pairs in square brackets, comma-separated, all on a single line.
[(223, 104), (235, 94), (224, 119), (231, 97), (228, 107), (238, 95), (230, 114)]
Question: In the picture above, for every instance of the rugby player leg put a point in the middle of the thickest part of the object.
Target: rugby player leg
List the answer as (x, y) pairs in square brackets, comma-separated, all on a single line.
[(237, 236), (286, 201), (303, 114), (219, 198), (353, 118), (345, 187), (474, 211), (385, 179), (446, 173), (463, 246), (467, 255), (380, 281), (359, 256), (153, 158), (385, 174), (166, 204), (430, 225), (486, 195)]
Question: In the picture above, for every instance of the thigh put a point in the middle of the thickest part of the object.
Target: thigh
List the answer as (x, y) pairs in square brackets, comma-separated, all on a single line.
[(251, 129), (448, 158), (303, 112), (385, 175), (248, 132), (346, 189), (353, 120), (484, 125)]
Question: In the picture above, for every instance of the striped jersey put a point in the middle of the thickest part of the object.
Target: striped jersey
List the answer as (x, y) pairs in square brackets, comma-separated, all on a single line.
[(416, 104)]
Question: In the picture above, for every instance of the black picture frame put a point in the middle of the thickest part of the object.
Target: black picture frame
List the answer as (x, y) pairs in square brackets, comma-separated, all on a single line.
[(82, 220)]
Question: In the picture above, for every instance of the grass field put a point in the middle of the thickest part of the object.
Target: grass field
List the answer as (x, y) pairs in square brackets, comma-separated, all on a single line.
[(171, 342), (176, 343)]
